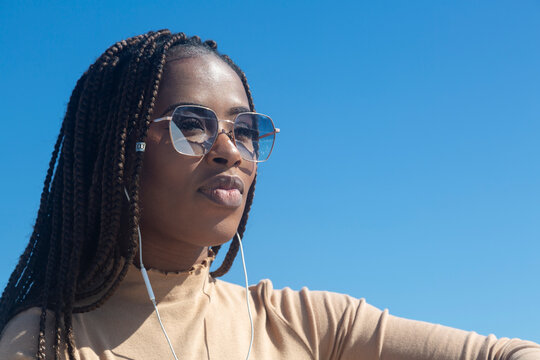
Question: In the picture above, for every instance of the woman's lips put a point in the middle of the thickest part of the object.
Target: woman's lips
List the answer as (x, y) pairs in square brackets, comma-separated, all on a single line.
[(224, 190), (229, 198)]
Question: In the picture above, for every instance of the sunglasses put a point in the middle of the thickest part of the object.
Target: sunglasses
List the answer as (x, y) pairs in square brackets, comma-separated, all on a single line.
[(194, 129)]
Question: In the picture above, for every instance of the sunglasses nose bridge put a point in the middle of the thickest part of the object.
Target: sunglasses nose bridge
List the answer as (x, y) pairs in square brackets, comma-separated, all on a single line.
[(227, 128)]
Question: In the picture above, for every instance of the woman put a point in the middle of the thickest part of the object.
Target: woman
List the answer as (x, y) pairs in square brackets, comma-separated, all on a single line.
[(155, 168)]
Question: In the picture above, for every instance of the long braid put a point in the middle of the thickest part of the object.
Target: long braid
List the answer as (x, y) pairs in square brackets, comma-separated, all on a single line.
[(109, 60), (67, 235), (79, 203), (131, 251), (73, 261), (51, 269), (55, 203), (105, 243)]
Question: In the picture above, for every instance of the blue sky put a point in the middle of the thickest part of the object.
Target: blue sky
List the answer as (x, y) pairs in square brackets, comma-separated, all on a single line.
[(407, 168)]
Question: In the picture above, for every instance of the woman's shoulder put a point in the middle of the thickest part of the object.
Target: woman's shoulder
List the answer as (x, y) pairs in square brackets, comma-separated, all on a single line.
[(19, 338), (264, 291), (320, 320), (300, 307)]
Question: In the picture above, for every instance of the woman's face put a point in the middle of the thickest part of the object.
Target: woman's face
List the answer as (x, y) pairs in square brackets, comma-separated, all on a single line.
[(182, 198)]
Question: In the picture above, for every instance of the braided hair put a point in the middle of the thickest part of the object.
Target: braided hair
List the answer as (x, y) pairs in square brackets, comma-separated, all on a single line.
[(74, 255)]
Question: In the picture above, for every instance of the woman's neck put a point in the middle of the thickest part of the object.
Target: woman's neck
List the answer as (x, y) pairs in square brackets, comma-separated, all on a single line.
[(171, 257)]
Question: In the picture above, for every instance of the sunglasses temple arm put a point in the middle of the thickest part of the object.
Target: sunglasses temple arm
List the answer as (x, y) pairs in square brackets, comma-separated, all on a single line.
[(269, 134)]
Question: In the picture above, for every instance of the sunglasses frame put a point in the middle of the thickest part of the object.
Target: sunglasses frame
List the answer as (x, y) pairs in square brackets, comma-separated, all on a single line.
[(230, 134)]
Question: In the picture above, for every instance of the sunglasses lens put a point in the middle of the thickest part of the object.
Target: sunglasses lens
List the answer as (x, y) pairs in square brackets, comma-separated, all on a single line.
[(254, 135), (193, 130)]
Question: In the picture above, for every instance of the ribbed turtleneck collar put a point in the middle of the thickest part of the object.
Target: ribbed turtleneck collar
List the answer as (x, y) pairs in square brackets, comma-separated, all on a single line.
[(167, 286)]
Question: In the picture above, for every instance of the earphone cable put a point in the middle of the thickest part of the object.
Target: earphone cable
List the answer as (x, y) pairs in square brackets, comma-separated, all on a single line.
[(152, 296), (247, 297), (149, 287), (163, 329)]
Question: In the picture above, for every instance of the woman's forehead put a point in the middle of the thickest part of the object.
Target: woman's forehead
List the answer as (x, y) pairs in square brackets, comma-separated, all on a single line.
[(205, 80), (204, 67)]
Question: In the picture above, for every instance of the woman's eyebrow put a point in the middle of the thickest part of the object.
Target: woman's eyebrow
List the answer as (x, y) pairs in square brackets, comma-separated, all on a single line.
[(237, 110), (232, 111), (174, 106)]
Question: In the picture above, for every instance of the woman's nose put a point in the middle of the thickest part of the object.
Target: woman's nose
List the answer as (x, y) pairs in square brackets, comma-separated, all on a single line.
[(224, 151)]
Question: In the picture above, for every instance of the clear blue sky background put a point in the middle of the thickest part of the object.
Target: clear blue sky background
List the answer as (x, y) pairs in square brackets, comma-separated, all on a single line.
[(407, 171)]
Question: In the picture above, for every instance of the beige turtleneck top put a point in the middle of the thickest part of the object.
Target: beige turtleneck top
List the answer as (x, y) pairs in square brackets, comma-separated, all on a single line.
[(207, 318)]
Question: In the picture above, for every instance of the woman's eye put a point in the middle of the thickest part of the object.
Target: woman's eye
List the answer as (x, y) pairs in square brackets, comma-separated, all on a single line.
[(190, 124), (246, 134)]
